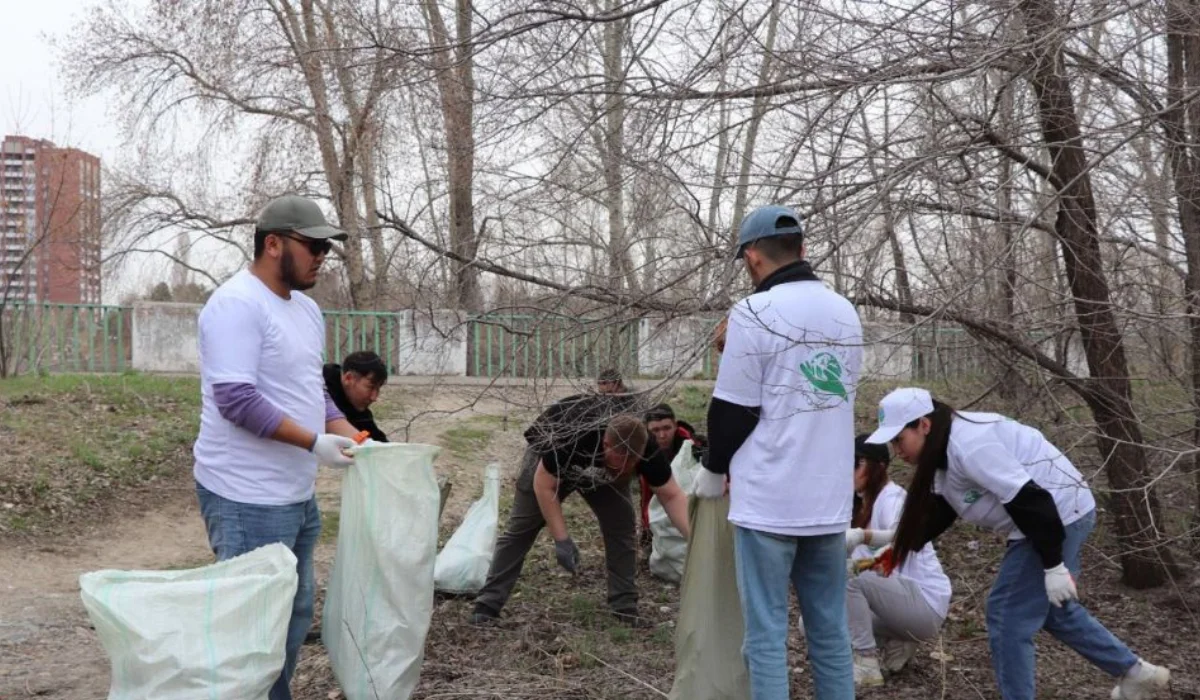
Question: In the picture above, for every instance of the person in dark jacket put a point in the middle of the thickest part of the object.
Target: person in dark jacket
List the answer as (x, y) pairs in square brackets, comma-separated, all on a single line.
[(587, 443), (354, 385), (669, 434)]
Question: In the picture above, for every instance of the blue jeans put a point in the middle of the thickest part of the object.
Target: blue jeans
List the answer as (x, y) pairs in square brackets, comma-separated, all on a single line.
[(236, 528), (1018, 607), (816, 566)]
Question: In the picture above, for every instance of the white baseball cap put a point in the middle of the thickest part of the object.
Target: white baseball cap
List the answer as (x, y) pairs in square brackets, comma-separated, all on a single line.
[(897, 410)]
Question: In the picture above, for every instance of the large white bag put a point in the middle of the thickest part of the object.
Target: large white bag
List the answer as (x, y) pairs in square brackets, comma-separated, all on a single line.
[(462, 565), (669, 550), (218, 631), (380, 596)]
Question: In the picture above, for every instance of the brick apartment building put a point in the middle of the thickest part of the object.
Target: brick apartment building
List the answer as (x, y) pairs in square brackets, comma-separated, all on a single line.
[(49, 223)]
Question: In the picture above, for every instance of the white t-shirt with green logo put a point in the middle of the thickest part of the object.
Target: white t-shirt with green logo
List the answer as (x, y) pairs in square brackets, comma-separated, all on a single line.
[(989, 459), (794, 350), (922, 567)]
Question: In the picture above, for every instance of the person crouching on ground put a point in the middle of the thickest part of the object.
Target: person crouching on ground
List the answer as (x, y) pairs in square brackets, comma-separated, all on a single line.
[(582, 444), (669, 434), (894, 609), (998, 474)]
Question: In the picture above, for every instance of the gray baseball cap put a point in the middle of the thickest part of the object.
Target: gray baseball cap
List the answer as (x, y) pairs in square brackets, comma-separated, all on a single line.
[(765, 222), (293, 213)]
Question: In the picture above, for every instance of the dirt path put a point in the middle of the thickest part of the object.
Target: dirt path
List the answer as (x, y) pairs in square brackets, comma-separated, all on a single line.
[(47, 647)]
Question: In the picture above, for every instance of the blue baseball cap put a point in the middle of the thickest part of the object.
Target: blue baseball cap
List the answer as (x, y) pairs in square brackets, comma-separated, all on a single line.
[(764, 222)]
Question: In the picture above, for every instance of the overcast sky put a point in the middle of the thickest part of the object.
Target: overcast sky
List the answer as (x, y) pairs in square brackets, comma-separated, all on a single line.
[(32, 97), (34, 102)]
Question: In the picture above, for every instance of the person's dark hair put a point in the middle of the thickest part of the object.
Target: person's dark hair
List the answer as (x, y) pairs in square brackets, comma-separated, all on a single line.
[(260, 242), (660, 412), (780, 249), (918, 505), (609, 375), (365, 363), (877, 459)]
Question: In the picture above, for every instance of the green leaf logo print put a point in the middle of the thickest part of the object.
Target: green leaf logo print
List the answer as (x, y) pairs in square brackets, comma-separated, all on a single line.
[(824, 372)]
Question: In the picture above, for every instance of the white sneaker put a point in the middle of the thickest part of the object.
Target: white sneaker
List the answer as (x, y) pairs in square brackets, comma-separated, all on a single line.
[(866, 672), (897, 653), (1141, 682)]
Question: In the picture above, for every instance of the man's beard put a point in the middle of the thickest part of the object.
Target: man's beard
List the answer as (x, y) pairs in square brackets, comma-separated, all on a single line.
[(287, 269)]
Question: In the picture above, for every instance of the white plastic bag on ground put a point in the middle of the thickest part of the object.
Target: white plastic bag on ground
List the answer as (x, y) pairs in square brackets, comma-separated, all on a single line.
[(380, 596), (218, 631), (670, 548), (462, 565)]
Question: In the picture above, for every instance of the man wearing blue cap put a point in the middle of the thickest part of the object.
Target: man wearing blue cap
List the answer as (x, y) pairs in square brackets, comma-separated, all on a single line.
[(781, 430)]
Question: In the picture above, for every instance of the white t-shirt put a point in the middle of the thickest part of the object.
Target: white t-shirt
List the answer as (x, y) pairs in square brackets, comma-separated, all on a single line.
[(794, 350), (989, 459), (922, 567), (250, 335)]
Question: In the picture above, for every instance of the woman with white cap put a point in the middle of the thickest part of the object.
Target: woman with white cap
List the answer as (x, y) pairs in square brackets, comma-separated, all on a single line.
[(896, 608), (1001, 475)]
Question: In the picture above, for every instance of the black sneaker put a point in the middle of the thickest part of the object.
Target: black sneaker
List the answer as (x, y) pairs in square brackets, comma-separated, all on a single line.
[(483, 616)]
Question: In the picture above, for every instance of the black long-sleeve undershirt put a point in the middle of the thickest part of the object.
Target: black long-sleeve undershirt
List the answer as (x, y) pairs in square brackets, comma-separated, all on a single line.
[(940, 520), (729, 425), (1034, 513)]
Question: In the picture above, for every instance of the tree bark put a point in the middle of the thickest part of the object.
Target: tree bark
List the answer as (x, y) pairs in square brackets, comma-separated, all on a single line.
[(1182, 122), (742, 193), (454, 70), (1145, 560)]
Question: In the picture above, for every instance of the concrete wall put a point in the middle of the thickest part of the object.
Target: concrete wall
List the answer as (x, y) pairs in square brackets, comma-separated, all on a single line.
[(432, 343), (165, 337), (887, 352), (673, 347)]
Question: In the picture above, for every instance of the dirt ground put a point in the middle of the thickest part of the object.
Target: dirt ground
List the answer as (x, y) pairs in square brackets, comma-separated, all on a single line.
[(556, 639)]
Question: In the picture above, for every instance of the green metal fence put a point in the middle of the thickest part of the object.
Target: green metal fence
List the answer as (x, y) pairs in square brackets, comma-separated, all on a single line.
[(351, 331), (65, 338), (525, 345)]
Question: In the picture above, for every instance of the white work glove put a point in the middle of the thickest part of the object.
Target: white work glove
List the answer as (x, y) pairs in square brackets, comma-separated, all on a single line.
[(708, 484), (329, 450), (856, 536), (880, 538), (1060, 586)]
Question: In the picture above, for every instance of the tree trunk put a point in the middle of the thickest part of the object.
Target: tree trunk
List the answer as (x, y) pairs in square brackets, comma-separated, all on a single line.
[(1145, 560), (1183, 154), (756, 115), (620, 263), (454, 68), (301, 30)]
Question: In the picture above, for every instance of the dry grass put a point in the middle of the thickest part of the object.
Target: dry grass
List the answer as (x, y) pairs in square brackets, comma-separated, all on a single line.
[(75, 445)]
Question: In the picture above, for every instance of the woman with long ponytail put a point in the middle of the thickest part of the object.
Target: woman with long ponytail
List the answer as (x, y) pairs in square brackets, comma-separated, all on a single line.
[(996, 473), (888, 614)]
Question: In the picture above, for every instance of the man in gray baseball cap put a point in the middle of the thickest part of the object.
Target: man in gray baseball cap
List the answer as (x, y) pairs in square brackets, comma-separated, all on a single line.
[(266, 421)]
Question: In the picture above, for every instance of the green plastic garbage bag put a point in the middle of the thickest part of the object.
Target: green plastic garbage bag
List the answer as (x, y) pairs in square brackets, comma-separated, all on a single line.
[(708, 635), (380, 597), (670, 548), (217, 631)]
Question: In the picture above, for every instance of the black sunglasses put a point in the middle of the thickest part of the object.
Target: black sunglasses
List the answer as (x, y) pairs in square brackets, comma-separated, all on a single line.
[(316, 246)]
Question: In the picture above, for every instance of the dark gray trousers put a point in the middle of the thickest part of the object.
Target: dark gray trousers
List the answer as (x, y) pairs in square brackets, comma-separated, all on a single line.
[(613, 506)]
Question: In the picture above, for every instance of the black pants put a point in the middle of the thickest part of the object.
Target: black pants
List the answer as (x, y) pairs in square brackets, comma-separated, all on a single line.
[(613, 506)]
